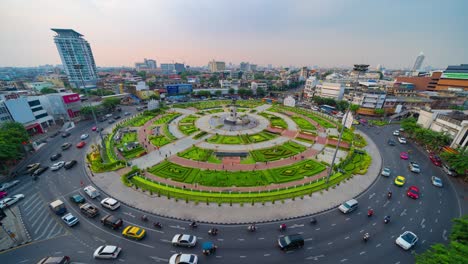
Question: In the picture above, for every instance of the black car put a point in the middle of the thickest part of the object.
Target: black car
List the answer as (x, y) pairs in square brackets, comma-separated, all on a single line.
[(111, 121), (391, 142), (70, 164), (112, 221), (55, 156), (66, 134), (291, 242), (39, 171), (116, 117), (54, 134)]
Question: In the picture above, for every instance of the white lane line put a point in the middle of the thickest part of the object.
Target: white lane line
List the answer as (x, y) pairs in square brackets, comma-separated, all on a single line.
[(58, 252), (99, 239), (343, 260), (121, 260), (347, 219), (39, 217), (178, 227), (362, 230), (423, 241), (417, 210), (242, 256), (158, 259), (23, 261), (317, 229), (444, 235), (422, 223), (438, 211), (33, 216), (403, 228), (371, 196), (430, 231), (33, 209), (220, 239), (309, 248), (261, 238), (165, 240), (295, 226), (378, 245), (411, 219), (26, 202), (308, 239), (398, 262), (129, 214), (53, 230), (240, 239), (315, 257), (81, 252), (333, 224), (329, 243), (266, 255), (374, 224), (45, 229), (393, 210), (386, 203), (362, 253), (219, 256), (437, 220), (403, 213), (346, 237)]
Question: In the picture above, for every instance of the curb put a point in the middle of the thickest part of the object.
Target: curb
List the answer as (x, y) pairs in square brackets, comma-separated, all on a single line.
[(28, 240)]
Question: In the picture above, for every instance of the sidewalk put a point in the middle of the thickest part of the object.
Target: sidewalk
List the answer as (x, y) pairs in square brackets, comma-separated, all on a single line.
[(110, 183), (17, 233)]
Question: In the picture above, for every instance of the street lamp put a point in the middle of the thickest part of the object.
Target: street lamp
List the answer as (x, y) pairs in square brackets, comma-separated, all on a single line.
[(359, 68), (79, 67)]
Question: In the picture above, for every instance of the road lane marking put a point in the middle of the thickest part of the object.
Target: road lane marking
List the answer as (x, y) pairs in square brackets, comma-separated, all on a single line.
[(346, 237), (403, 228), (347, 219), (444, 235), (315, 257), (362, 253), (242, 256), (295, 226), (343, 260), (129, 214), (266, 255), (371, 195), (240, 239), (386, 203), (308, 239), (422, 223), (378, 245), (437, 220), (261, 238), (177, 227), (317, 229), (158, 259), (329, 243), (403, 213)]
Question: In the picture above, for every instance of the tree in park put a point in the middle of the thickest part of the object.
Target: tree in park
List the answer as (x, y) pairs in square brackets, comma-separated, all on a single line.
[(261, 92), (457, 160), (231, 91), (354, 108), (12, 137), (455, 252), (218, 93)]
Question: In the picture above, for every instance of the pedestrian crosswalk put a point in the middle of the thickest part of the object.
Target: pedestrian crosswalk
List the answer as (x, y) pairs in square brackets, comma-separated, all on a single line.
[(37, 217)]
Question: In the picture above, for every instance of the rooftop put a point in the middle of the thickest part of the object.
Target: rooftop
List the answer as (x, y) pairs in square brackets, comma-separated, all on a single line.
[(66, 32)]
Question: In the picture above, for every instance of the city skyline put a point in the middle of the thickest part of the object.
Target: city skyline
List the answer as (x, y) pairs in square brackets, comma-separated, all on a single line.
[(328, 34)]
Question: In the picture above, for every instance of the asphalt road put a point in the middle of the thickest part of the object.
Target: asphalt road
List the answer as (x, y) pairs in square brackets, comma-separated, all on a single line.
[(336, 238)]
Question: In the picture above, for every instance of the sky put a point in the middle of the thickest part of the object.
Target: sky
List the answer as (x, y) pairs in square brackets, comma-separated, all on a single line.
[(327, 33)]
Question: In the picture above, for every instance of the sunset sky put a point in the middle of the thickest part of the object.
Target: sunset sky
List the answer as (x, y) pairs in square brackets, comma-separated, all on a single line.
[(310, 32)]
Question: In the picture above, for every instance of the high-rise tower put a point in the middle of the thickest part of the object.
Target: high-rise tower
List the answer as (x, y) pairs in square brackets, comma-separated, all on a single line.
[(77, 58), (418, 63)]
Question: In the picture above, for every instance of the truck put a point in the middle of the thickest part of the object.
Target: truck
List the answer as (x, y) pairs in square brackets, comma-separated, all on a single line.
[(58, 207)]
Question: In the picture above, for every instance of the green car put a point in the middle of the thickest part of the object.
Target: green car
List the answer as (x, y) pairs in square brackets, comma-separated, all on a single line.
[(78, 199)]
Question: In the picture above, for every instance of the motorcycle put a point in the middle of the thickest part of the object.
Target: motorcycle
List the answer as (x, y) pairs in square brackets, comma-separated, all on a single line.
[(252, 228), (370, 213), (313, 221), (389, 195), (157, 225), (144, 218), (213, 231), (282, 227), (387, 219), (193, 225), (366, 237)]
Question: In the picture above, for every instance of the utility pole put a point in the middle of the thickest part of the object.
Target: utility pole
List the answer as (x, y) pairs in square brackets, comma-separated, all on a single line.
[(359, 68)]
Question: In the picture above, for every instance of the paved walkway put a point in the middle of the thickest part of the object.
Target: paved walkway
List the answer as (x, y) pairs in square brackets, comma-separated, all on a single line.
[(110, 183), (14, 225), (291, 124), (203, 123), (174, 127), (185, 111)]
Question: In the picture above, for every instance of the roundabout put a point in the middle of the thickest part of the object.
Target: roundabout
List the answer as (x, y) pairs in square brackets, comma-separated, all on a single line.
[(334, 237)]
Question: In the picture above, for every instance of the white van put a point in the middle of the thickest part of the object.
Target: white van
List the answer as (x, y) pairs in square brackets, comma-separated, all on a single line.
[(108, 115), (91, 191)]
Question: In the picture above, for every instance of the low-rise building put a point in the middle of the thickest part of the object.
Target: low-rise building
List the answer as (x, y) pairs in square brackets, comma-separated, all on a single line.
[(330, 90), (454, 123), (38, 86), (62, 106), (309, 88), (256, 85)]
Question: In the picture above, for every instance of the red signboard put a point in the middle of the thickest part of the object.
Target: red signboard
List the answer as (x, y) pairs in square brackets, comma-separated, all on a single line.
[(71, 98)]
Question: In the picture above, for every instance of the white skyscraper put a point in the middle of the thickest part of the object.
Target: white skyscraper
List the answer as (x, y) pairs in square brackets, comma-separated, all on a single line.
[(419, 61), (77, 58)]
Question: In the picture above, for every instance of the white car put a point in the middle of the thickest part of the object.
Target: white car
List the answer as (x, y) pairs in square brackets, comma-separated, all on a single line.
[(396, 133), (349, 206), (414, 167), (91, 191), (84, 136), (110, 203), (57, 166), (386, 172), (184, 240), (407, 240), (7, 185), (70, 219), (127, 114), (107, 252), (183, 259), (436, 181), (11, 200), (402, 140)]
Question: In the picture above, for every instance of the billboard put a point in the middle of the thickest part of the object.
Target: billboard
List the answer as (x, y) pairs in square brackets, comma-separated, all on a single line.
[(455, 75), (71, 98), (175, 89)]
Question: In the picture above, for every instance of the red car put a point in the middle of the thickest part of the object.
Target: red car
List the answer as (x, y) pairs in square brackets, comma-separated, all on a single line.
[(413, 192), (435, 159), (81, 144), (94, 128), (3, 194), (404, 155)]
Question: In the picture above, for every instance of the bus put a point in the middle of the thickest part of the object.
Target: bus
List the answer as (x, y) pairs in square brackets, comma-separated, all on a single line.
[(328, 109)]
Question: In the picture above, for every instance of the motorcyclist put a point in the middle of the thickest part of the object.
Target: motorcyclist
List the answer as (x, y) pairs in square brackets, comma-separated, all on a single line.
[(213, 231), (370, 212), (387, 219), (252, 228), (283, 227), (144, 218), (366, 236), (193, 224), (157, 224), (389, 194), (313, 220)]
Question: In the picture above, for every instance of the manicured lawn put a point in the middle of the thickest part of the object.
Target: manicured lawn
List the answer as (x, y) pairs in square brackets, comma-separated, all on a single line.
[(286, 150), (218, 103), (159, 141), (242, 139), (166, 118), (139, 120), (234, 197), (133, 153), (190, 119), (196, 153), (303, 124), (188, 129), (275, 121), (294, 172), (356, 163)]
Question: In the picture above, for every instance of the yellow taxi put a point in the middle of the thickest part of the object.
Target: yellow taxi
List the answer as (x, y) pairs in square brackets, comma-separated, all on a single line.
[(400, 181), (134, 232)]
